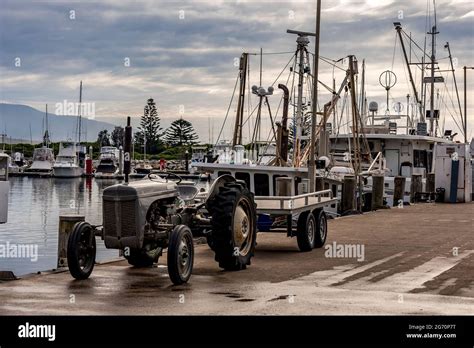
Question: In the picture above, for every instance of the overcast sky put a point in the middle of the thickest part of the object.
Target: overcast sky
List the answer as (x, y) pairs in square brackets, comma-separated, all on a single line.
[(182, 53)]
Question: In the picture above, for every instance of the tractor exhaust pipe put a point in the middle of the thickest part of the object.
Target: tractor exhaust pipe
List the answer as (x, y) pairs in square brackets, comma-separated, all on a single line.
[(127, 147)]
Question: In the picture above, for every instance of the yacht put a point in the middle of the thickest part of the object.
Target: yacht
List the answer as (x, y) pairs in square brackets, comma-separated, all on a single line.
[(109, 166), (67, 162), (43, 161), (43, 157)]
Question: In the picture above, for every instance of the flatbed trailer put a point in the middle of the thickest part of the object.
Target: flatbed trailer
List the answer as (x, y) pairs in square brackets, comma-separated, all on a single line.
[(308, 209)]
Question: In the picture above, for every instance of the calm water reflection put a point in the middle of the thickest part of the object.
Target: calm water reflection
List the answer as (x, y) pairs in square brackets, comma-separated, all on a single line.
[(34, 208)]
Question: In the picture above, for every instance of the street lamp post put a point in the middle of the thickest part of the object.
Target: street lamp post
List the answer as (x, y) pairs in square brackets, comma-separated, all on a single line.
[(465, 101)]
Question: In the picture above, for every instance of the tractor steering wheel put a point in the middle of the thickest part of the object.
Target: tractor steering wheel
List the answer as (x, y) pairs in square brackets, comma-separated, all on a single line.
[(165, 175)]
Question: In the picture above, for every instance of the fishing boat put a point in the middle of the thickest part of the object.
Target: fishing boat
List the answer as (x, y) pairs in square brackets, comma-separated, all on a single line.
[(109, 166), (274, 167), (403, 135), (67, 162)]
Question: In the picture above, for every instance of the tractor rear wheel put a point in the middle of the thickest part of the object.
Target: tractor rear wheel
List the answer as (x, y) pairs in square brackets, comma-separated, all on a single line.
[(234, 226)]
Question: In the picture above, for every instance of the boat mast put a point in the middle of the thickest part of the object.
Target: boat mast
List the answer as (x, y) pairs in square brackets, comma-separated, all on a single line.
[(433, 58), (237, 138), (80, 112), (355, 130), (302, 41), (311, 162), (46, 133)]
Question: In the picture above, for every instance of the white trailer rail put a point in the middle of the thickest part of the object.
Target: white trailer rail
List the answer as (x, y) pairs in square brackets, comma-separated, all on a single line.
[(289, 205)]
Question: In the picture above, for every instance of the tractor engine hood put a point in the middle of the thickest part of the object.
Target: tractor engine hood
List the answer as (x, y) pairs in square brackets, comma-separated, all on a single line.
[(125, 208)]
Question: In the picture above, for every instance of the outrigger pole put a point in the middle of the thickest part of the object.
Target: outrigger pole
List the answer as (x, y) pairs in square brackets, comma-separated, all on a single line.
[(398, 28), (311, 162)]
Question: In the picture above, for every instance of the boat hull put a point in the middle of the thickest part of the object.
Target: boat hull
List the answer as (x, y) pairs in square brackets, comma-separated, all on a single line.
[(65, 172)]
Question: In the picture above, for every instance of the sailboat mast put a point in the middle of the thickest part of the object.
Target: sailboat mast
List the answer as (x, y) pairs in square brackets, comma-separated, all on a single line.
[(47, 128)]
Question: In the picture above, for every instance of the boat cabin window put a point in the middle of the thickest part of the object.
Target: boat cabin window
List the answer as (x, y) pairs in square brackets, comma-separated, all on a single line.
[(420, 158), (243, 176), (262, 187), (223, 173)]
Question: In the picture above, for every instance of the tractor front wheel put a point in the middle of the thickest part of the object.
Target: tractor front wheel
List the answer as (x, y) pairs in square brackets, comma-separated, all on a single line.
[(81, 250), (180, 254)]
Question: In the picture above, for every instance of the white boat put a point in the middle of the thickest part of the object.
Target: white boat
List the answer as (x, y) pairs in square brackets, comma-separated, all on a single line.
[(43, 160), (43, 157), (67, 162), (109, 166), (143, 167), (4, 187)]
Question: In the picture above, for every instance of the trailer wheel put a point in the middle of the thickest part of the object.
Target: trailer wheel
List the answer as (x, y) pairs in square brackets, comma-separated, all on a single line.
[(234, 226), (306, 231), (180, 254), (81, 250), (321, 228)]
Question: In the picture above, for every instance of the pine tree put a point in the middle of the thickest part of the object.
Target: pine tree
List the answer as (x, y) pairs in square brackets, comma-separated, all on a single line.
[(149, 129), (103, 138), (181, 132), (118, 136)]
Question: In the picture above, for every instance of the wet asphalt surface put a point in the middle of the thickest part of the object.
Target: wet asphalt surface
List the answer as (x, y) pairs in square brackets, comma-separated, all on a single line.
[(415, 260)]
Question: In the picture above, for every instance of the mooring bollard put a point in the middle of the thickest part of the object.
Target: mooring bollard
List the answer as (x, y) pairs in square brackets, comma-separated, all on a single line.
[(66, 224), (416, 186), (377, 191), (399, 190), (348, 193)]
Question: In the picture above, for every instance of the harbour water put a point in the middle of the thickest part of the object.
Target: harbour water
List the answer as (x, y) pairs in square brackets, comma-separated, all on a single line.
[(33, 217)]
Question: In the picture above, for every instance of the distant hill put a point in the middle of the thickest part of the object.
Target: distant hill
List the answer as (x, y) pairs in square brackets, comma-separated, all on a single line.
[(16, 120)]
